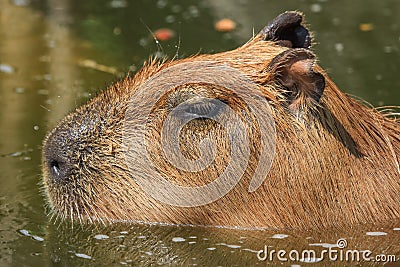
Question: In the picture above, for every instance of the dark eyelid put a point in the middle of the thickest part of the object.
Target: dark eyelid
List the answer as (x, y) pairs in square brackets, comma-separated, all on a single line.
[(200, 107)]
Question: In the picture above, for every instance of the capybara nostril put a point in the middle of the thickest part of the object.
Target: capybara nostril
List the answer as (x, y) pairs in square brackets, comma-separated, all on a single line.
[(55, 162), (58, 169)]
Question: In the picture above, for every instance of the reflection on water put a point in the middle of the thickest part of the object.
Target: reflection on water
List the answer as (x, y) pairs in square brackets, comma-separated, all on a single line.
[(55, 54), (147, 245)]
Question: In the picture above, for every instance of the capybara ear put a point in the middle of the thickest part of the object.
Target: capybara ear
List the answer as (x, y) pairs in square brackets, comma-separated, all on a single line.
[(287, 30), (294, 71)]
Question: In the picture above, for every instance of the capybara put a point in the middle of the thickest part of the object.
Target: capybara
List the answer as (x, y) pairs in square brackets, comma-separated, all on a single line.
[(254, 137)]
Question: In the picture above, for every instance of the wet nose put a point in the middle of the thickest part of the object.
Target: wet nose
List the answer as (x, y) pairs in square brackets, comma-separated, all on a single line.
[(55, 157)]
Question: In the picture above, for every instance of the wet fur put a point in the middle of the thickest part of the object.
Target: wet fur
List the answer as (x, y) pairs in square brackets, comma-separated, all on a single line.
[(336, 162)]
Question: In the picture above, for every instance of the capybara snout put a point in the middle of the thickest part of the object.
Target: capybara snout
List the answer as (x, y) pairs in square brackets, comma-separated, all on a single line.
[(259, 136)]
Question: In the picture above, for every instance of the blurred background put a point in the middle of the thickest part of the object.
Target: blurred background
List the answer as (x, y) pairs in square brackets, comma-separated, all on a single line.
[(57, 54)]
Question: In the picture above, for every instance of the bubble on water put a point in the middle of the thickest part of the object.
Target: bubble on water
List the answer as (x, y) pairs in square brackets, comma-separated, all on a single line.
[(192, 237), (19, 90), (192, 242), (339, 47), (388, 49), (375, 233), (336, 21), (124, 232), (212, 248), (45, 58), (316, 8), (47, 77), (193, 11), (51, 44), (117, 31), (101, 237), (36, 127), (43, 92), (83, 256), (279, 236), (118, 3), (170, 19), (20, 2), (143, 41), (6, 68), (162, 3), (178, 239), (176, 8)]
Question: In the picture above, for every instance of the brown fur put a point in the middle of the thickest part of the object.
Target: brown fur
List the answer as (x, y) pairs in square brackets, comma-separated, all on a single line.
[(336, 161)]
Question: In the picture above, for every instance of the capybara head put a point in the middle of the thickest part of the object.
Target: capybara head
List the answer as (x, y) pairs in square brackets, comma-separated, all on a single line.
[(255, 137)]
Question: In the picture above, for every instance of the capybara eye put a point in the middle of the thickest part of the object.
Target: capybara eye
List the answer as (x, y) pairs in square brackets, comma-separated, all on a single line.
[(200, 107)]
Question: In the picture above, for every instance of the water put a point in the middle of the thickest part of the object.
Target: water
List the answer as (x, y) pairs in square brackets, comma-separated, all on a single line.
[(54, 55)]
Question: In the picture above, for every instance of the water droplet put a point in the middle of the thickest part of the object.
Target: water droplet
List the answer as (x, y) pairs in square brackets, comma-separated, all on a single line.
[(6, 68), (38, 238), (375, 233), (178, 239), (279, 236), (84, 256), (101, 237)]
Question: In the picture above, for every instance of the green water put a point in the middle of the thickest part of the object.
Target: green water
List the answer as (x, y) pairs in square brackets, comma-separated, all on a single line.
[(48, 56)]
